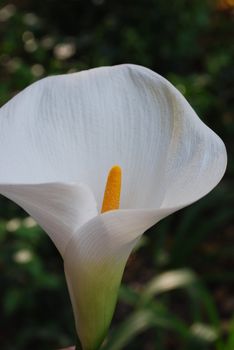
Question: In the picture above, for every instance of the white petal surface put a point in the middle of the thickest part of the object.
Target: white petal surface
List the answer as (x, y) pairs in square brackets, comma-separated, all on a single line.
[(73, 128), (60, 209)]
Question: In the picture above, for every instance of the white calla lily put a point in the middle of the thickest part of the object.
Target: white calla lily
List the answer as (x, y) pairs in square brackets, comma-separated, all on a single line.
[(58, 140)]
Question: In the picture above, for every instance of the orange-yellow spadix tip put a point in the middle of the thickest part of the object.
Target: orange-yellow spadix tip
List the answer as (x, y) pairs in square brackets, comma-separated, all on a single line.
[(111, 199)]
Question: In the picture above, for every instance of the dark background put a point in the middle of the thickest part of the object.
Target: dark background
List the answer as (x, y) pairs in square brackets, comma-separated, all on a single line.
[(188, 258)]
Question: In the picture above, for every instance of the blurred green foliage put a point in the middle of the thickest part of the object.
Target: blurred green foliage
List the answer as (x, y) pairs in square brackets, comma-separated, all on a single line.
[(179, 284)]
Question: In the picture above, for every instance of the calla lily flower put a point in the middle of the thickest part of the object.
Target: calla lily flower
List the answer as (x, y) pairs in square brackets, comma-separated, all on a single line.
[(58, 140)]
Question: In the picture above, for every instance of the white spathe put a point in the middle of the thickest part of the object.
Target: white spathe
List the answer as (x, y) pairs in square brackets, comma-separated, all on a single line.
[(58, 140)]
